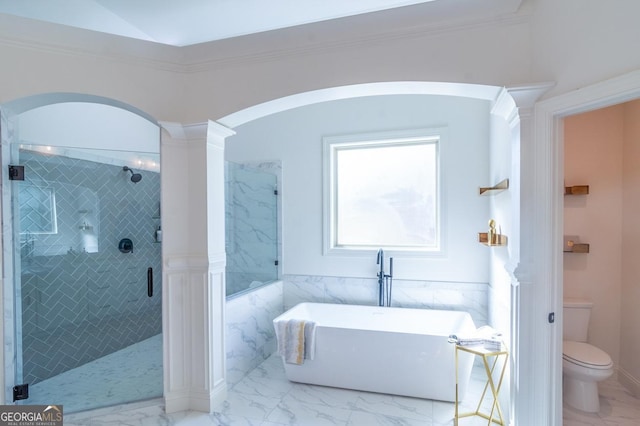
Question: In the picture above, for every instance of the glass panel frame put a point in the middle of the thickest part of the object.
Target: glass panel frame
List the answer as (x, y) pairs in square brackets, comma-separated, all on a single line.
[(76, 293), (251, 226)]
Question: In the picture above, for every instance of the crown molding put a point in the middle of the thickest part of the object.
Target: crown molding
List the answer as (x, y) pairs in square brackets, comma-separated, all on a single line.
[(186, 132), (196, 60), (44, 37), (270, 46)]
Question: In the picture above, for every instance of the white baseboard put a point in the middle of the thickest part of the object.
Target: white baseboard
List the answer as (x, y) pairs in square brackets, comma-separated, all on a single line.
[(628, 381)]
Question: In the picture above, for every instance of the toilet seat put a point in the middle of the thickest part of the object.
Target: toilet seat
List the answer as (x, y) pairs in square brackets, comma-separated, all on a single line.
[(586, 355)]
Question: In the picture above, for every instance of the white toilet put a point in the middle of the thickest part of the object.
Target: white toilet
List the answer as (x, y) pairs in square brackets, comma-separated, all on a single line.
[(583, 365)]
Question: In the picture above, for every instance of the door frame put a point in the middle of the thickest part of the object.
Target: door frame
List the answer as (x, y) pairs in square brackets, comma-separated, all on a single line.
[(549, 127)]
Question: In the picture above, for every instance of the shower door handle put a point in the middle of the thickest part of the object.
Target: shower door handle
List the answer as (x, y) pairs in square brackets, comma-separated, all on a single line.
[(150, 281)]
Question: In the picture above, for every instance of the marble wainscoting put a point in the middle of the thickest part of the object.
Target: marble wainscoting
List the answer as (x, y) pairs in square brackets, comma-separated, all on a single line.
[(250, 335), (469, 297)]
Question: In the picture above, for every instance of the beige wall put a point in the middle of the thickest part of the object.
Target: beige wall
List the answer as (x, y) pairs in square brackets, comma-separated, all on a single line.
[(572, 43), (593, 156), (485, 55), (602, 149), (30, 70), (630, 331), (580, 42)]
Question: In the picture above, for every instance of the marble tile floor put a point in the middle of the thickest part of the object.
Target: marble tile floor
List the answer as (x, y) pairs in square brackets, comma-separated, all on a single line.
[(265, 397), (133, 373), (618, 407)]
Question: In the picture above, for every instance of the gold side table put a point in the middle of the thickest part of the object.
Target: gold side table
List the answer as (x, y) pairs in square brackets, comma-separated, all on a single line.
[(488, 357)]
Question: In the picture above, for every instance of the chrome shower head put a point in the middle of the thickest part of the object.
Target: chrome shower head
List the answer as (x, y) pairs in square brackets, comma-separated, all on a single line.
[(135, 177)]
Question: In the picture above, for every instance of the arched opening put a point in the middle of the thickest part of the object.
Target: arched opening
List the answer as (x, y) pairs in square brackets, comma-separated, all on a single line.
[(267, 131), (489, 93), (81, 300)]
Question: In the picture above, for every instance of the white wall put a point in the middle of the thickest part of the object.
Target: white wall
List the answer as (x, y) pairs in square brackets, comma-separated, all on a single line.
[(88, 125), (504, 207), (92, 131), (295, 138), (504, 163)]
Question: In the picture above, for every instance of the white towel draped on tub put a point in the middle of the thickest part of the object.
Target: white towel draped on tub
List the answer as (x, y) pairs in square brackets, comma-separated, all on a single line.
[(296, 340)]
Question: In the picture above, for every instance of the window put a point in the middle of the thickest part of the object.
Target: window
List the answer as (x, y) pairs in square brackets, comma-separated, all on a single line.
[(382, 191)]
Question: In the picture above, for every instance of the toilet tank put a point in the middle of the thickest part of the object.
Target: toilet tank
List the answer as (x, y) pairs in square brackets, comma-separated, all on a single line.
[(576, 313)]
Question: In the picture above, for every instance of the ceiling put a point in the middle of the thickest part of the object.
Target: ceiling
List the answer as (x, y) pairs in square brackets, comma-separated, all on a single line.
[(188, 22)]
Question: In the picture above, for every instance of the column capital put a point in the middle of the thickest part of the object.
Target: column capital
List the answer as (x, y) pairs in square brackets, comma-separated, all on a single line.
[(205, 130), (526, 96)]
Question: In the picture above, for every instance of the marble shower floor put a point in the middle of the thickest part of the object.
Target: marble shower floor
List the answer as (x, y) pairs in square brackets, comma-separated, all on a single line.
[(130, 374)]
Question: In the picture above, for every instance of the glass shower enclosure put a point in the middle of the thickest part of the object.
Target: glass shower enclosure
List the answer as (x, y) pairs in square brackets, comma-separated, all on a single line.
[(251, 225), (88, 281)]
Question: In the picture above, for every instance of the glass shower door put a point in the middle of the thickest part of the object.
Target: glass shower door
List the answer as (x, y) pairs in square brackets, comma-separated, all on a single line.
[(88, 277)]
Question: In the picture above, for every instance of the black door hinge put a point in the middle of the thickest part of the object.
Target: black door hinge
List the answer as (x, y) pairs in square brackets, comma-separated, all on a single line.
[(275, 263), (552, 317), (20, 392), (275, 192), (16, 172)]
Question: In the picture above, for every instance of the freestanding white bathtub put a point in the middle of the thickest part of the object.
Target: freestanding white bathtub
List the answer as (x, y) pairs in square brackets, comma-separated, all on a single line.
[(395, 351)]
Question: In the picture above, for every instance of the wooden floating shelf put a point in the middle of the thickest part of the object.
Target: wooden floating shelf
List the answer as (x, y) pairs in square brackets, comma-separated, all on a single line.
[(578, 248), (498, 239), (491, 190), (576, 190)]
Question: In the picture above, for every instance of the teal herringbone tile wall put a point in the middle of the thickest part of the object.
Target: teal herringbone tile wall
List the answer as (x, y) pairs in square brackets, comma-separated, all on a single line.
[(81, 297)]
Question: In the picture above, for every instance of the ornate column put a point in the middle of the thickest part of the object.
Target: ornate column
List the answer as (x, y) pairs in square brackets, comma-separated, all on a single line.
[(529, 264), (194, 258)]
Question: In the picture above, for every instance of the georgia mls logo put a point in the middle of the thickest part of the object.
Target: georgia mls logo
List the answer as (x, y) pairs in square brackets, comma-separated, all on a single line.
[(54, 411), (31, 415)]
